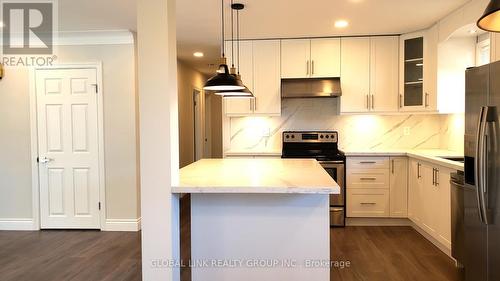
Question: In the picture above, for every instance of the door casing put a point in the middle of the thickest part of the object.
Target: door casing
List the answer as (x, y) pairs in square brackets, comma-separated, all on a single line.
[(34, 138)]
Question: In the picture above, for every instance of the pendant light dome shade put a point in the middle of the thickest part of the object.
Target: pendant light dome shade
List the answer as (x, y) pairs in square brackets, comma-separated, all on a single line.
[(223, 81), (490, 21)]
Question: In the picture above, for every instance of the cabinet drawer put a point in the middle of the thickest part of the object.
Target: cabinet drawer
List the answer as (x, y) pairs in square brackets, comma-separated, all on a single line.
[(364, 203), (375, 178), (368, 163)]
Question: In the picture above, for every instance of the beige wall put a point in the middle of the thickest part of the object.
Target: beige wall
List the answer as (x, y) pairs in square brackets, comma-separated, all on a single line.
[(188, 80), (15, 167), (120, 132)]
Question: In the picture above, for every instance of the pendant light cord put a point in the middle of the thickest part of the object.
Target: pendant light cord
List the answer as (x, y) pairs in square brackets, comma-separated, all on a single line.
[(232, 34), (222, 45), (238, 37)]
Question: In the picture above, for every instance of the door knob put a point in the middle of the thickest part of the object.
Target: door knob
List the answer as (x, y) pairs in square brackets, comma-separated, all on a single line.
[(44, 160)]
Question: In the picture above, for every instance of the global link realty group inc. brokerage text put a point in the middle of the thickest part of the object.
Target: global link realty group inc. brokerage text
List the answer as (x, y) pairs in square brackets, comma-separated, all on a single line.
[(250, 263)]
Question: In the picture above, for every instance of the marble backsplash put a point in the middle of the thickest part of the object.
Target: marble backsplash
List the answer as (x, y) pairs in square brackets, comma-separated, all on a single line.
[(356, 132)]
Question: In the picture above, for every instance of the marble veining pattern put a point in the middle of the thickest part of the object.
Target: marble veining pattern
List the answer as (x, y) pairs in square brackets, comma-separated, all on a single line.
[(356, 132)]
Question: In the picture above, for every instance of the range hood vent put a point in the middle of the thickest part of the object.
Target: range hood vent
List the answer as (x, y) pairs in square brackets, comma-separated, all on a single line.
[(311, 88)]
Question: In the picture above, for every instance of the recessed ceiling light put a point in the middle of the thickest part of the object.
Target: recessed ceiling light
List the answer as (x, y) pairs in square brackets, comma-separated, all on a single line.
[(341, 24), (198, 54)]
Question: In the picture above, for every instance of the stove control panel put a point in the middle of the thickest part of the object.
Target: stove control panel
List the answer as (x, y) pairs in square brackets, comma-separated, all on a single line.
[(318, 137)]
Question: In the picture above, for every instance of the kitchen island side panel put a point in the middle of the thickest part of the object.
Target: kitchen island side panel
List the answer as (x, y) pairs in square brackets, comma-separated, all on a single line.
[(263, 237)]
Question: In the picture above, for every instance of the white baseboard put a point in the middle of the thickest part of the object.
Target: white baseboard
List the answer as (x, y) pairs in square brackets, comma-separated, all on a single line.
[(17, 224), (378, 222), (122, 225), (433, 240)]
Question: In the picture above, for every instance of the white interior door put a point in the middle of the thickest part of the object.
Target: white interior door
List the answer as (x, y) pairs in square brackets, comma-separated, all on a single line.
[(67, 117)]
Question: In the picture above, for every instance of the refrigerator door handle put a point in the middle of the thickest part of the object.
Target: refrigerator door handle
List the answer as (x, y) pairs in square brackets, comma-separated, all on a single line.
[(478, 163), (482, 178)]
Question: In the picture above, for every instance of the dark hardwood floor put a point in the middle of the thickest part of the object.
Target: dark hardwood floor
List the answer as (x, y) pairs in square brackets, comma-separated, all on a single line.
[(374, 253), (70, 255), (388, 254)]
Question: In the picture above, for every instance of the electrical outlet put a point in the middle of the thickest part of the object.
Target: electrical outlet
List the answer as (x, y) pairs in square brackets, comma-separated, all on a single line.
[(266, 132), (406, 131)]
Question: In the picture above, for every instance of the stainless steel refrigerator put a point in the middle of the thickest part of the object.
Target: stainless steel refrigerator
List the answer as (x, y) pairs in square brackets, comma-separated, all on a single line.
[(482, 174)]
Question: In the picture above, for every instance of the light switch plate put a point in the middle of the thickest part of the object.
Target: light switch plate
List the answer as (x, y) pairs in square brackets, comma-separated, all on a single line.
[(406, 131)]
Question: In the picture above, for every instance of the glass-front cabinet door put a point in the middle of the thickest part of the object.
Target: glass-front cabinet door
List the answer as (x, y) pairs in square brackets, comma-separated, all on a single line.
[(413, 72), (418, 71), (413, 95)]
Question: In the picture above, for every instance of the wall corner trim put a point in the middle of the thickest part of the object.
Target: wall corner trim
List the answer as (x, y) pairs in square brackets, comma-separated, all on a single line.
[(18, 224), (122, 225)]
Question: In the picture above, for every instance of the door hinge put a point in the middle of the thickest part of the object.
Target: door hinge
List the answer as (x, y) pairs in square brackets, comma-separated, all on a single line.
[(99, 206)]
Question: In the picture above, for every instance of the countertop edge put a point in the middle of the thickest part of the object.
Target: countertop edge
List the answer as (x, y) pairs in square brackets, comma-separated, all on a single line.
[(412, 154), (256, 190)]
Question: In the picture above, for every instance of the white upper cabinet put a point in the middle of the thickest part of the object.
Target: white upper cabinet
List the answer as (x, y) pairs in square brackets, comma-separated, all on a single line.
[(325, 58), (370, 72), (241, 106), (418, 71), (310, 58), (384, 74), (355, 76), (267, 82), (260, 72), (295, 58)]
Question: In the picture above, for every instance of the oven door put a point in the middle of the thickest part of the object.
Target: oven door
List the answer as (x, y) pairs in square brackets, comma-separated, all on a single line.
[(336, 169)]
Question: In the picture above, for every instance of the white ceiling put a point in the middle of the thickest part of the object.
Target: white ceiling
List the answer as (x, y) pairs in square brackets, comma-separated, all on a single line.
[(198, 21)]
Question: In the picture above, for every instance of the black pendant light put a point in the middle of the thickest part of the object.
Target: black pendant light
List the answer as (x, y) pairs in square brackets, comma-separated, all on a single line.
[(244, 93), (490, 21), (223, 80)]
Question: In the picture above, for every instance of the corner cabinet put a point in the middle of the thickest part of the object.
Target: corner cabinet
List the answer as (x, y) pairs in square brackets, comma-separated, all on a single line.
[(310, 58), (429, 200), (260, 71), (418, 71), (370, 74)]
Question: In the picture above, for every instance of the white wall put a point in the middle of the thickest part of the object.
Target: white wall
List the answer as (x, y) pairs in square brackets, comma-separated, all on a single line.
[(455, 55), (119, 82)]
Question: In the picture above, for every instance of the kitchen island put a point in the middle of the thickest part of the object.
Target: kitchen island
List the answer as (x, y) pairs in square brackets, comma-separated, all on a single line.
[(259, 219)]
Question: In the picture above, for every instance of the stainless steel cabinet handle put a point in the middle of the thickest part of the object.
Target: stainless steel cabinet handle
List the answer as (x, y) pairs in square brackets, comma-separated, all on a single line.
[(368, 203), (254, 104), (426, 99), (368, 179), (307, 68), (373, 102), (418, 170), (393, 166), (367, 162), (437, 177), (433, 177), (400, 101), (367, 101), (312, 67)]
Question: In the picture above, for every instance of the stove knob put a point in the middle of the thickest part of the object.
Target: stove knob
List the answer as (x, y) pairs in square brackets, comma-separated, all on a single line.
[(321, 136), (333, 136), (327, 136), (287, 136), (293, 136)]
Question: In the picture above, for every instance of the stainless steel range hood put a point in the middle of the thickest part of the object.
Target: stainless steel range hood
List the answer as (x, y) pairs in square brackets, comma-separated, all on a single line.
[(311, 88)]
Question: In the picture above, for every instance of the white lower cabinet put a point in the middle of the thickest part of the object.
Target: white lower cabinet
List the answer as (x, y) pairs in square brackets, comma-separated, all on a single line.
[(429, 200), (369, 202), (376, 187)]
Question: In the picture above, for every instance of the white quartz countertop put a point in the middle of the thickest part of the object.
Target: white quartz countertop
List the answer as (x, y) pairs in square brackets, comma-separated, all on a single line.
[(301, 176), (429, 155)]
